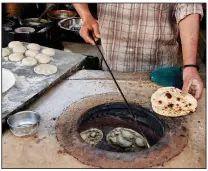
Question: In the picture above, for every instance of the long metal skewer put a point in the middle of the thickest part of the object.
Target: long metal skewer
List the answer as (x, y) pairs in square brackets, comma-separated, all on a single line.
[(127, 104)]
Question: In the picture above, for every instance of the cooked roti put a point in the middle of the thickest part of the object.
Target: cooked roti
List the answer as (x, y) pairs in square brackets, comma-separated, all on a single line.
[(170, 101)]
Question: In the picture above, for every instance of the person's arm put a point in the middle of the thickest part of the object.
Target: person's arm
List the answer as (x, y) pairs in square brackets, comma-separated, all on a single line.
[(83, 11), (189, 34), (89, 23)]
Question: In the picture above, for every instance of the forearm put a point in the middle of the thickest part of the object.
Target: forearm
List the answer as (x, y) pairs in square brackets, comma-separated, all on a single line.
[(189, 34), (83, 10)]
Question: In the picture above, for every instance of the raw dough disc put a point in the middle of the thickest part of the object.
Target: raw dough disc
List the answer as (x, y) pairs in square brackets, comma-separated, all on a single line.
[(14, 44), (19, 49), (5, 52), (33, 46), (43, 59), (8, 80), (125, 138), (49, 51), (31, 53), (45, 69), (29, 61), (16, 57), (92, 136)]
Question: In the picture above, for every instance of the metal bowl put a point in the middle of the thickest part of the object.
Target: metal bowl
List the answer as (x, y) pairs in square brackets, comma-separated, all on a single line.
[(24, 123), (71, 24), (34, 22), (24, 30), (61, 14)]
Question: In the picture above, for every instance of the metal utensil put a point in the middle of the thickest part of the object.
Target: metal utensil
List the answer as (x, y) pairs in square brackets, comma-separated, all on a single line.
[(71, 24), (24, 30), (33, 22), (127, 104), (20, 21), (24, 123), (47, 9), (61, 14)]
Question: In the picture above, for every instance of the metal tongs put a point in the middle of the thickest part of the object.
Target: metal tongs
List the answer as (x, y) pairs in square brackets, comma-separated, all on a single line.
[(127, 104)]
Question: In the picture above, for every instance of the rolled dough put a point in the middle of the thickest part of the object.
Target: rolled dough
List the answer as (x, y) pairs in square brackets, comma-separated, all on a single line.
[(31, 53), (29, 61), (33, 46), (19, 49), (48, 51), (15, 57), (45, 69), (43, 59), (14, 44), (5, 52)]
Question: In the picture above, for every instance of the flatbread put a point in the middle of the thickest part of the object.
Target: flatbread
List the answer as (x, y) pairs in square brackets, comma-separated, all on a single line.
[(8, 80), (170, 101)]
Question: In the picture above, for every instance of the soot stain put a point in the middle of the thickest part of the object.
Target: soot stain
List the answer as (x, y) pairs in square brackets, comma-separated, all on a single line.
[(171, 105), (168, 95)]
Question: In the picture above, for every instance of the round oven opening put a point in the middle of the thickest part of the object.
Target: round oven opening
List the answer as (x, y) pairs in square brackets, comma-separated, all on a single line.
[(167, 136), (108, 116)]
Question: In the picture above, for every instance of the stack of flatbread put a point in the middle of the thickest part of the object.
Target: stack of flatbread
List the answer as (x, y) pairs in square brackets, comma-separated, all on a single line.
[(172, 102)]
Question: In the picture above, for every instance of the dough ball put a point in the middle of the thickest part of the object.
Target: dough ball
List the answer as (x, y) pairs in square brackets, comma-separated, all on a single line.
[(29, 61), (49, 51), (45, 69), (33, 46), (16, 57), (31, 53), (14, 44), (19, 49), (5, 52), (43, 59)]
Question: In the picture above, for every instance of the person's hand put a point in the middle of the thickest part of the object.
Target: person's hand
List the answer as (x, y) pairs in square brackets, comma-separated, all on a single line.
[(192, 82), (90, 25)]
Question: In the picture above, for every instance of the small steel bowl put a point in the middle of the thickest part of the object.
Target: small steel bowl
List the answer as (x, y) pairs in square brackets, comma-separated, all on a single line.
[(71, 24), (24, 123)]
